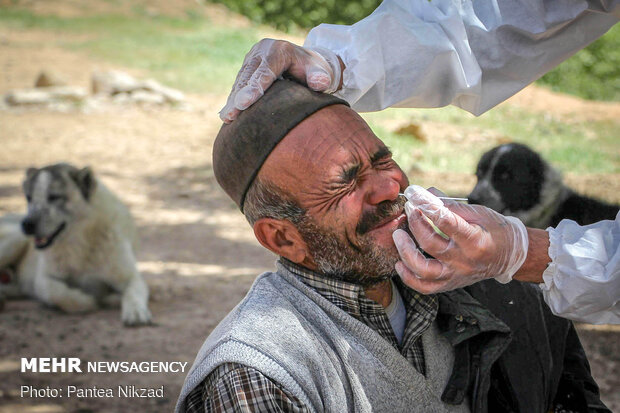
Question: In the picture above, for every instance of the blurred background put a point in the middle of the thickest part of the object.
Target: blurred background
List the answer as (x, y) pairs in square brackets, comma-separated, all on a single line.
[(152, 147)]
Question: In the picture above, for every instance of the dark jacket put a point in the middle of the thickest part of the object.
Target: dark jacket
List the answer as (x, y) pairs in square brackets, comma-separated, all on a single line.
[(512, 354)]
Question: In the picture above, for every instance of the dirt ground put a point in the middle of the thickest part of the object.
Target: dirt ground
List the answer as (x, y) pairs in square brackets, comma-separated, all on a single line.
[(197, 253)]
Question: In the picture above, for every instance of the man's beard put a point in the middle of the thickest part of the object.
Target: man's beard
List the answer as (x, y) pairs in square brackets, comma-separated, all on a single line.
[(364, 263)]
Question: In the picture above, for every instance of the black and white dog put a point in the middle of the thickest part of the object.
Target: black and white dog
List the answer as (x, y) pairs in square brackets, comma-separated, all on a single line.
[(514, 180)]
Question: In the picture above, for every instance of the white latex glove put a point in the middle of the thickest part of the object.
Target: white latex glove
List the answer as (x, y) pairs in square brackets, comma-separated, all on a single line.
[(481, 244), (268, 59)]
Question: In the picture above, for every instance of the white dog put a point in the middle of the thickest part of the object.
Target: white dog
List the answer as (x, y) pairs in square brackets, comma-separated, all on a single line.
[(75, 247)]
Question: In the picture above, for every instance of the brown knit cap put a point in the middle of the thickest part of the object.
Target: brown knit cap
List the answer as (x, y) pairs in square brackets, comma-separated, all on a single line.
[(241, 147)]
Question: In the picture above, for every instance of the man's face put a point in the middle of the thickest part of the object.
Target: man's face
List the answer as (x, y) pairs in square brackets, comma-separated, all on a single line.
[(346, 180)]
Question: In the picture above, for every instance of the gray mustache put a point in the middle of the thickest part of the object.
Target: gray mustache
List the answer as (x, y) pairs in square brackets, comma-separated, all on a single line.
[(385, 209)]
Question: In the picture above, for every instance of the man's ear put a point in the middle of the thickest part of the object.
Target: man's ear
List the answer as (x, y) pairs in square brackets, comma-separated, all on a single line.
[(282, 238)]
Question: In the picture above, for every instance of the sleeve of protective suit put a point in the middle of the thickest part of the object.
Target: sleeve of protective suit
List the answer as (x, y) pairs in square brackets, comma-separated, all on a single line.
[(472, 54), (582, 282)]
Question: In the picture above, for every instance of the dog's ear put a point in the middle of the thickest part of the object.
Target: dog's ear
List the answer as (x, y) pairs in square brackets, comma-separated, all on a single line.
[(27, 183), (30, 172), (85, 180)]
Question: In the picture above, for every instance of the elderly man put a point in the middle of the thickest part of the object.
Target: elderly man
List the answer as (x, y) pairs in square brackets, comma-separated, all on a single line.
[(333, 329)]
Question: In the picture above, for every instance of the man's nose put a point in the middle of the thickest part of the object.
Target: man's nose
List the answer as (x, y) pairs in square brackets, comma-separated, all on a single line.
[(384, 187)]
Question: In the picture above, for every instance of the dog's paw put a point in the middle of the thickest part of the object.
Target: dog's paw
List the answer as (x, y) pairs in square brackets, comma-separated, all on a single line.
[(135, 314)]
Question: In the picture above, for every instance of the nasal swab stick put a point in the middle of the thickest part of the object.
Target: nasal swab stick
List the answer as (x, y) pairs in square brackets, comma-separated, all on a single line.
[(447, 198)]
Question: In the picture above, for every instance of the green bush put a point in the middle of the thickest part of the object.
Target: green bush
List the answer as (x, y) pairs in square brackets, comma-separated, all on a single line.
[(292, 14), (593, 73)]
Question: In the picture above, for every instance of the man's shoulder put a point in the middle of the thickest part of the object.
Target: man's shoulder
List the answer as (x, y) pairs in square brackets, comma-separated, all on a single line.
[(267, 294), (271, 305), (265, 326)]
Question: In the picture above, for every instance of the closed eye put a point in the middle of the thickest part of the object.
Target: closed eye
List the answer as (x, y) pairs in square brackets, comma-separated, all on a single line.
[(350, 174)]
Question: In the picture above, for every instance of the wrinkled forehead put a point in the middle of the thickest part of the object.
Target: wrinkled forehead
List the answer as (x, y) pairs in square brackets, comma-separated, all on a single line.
[(320, 146)]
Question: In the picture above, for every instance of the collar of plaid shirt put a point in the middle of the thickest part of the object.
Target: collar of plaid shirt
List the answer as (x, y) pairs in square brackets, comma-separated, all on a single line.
[(421, 309)]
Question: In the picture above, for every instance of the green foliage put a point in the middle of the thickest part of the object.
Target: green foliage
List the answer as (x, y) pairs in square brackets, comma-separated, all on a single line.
[(593, 73), (292, 14)]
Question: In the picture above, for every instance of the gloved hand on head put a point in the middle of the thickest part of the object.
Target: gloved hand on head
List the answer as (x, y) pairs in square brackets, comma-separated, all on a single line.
[(317, 68), (481, 244)]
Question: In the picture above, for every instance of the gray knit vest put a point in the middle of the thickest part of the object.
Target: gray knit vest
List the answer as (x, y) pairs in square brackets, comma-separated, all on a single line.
[(329, 360)]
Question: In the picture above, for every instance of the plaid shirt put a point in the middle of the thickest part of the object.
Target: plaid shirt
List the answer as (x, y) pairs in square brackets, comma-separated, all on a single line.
[(234, 387)]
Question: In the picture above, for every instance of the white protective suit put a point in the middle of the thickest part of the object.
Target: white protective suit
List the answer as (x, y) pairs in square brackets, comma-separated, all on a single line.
[(582, 282), (474, 55), (471, 54)]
